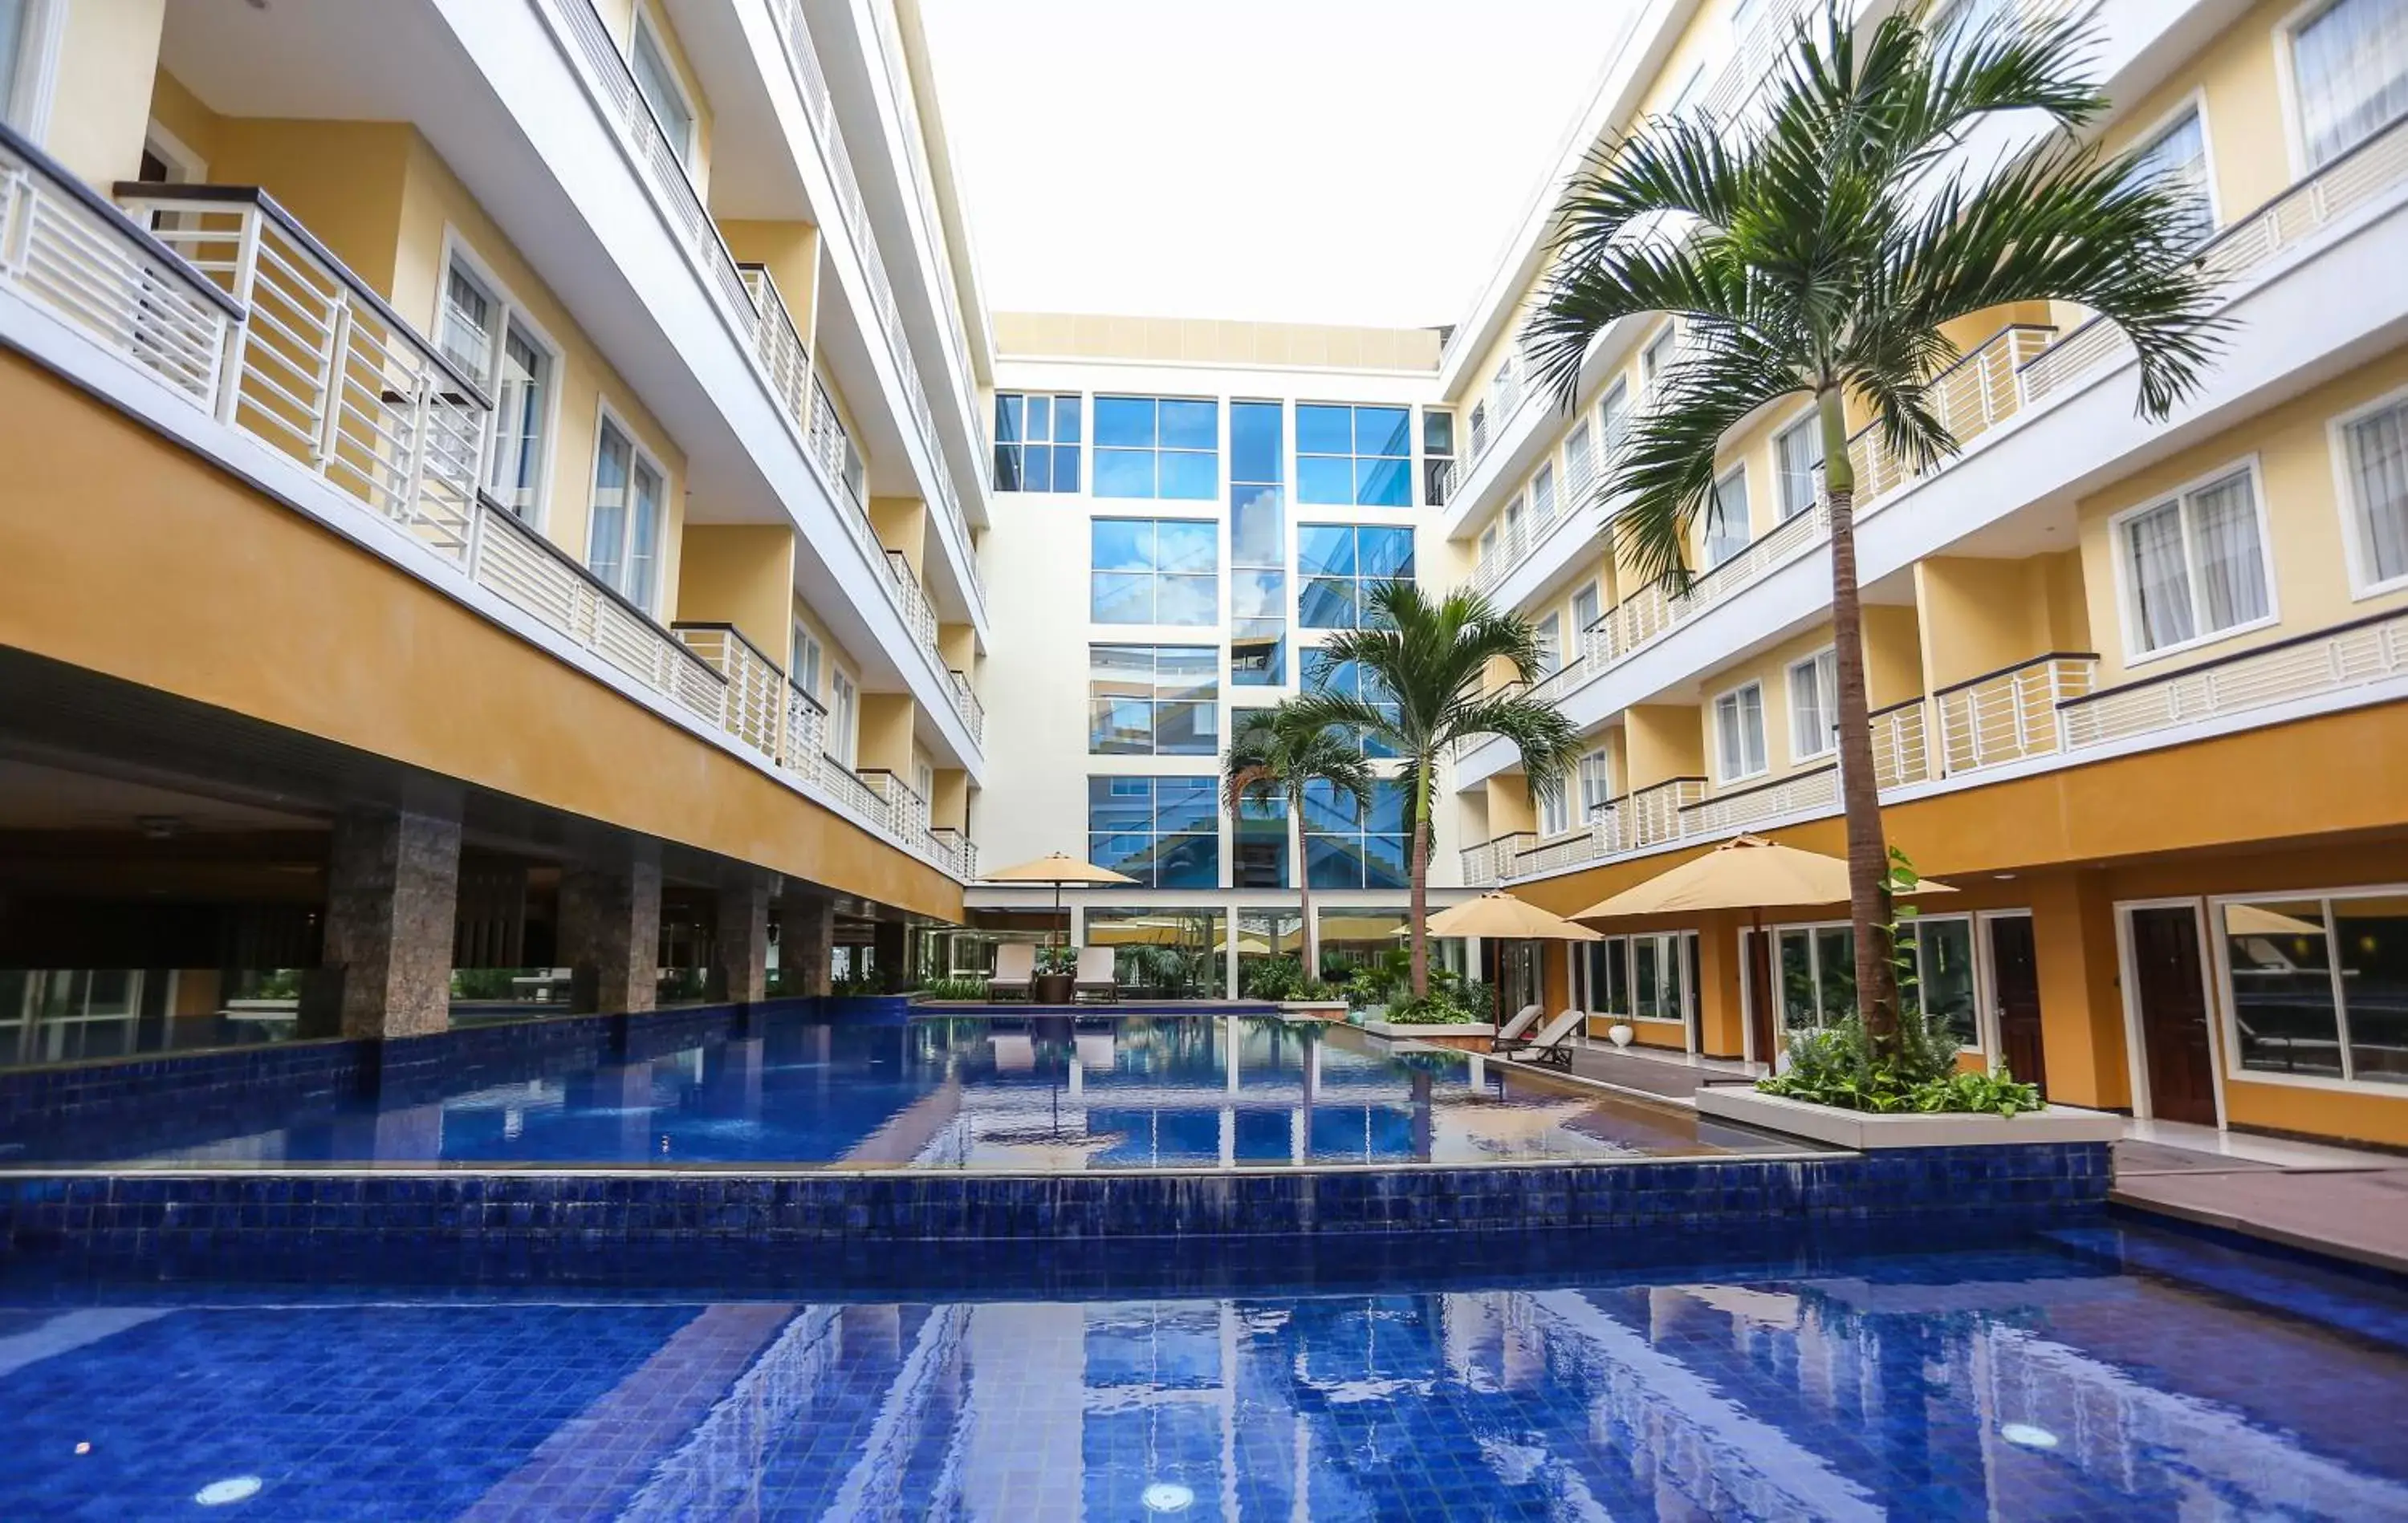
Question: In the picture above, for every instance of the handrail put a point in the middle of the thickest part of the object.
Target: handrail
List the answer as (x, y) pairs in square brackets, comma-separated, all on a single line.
[(253, 196), (798, 690), (864, 773), (2306, 638), (721, 626), (497, 513), (2011, 666), (124, 226), (1909, 702), (1782, 781)]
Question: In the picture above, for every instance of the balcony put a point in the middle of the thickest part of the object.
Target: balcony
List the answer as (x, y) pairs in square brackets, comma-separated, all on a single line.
[(1492, 860), (771, 338), (263, 332)]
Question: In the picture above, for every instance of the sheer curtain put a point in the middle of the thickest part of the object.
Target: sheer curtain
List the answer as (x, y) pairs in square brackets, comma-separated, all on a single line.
[(2352, 64), (2231, 563), (2161, 583), (2379, 456), (2178, 161)]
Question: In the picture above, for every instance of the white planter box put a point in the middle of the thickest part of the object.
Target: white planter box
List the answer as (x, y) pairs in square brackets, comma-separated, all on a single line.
[(1867, 1132), (1320, 1009), (1416, 1031)]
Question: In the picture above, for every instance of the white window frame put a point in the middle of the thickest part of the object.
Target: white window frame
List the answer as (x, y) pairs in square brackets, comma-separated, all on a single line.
[(1551, 644), (1655, 358), (1543, 494), (644, 29), (843, 735), (184, 167), (2224, 1014), (2354, 516), (1579, 458), (2128, 612), (1810, 419), (1826, 663), (510, 311), (2286, 82), (1972, 920), (1734, 479), (1714, 707), (1603, 772), (2194, 103), (31, 93), (1556, 809), (1595, 592), (804, 641), (640, 458)]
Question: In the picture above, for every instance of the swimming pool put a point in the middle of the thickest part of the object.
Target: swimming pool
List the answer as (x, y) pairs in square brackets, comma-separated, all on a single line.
[(1023, 1094), (2097, 1371)]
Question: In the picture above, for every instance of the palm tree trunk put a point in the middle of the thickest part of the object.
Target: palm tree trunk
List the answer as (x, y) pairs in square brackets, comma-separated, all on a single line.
[(1868, 896), (1309, 955), (1422, 772)]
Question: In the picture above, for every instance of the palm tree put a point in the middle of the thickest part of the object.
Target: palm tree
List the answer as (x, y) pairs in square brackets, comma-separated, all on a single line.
[(1273, 756), (1422, 665), (1821, 253)]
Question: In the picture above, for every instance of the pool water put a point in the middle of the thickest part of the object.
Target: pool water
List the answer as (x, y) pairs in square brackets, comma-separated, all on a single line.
[(2100, 1371), (1023, 1094)]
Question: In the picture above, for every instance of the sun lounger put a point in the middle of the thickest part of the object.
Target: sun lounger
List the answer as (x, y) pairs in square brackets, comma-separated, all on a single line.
[(1515, 1033), (1552, 1045), (1096, 976), (1015, 970)]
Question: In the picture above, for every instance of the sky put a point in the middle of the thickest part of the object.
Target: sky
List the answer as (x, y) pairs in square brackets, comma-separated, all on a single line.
[(1314, 161)]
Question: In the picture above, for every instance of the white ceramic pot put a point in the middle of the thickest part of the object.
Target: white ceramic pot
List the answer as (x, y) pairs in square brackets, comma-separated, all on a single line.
[(1619, 1035)]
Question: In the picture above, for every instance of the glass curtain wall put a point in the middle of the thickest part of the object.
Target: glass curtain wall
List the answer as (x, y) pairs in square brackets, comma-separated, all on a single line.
[(1257, 546)]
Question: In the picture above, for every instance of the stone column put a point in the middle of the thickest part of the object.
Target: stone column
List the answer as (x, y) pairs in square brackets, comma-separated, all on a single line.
[(611, 934), (806, 944), (894, 960), (739, 931), (393, 884)]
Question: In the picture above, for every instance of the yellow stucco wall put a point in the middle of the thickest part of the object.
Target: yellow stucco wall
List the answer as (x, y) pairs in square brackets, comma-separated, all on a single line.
[(741, 574), (790, 253), (201, 570), (1663, 741), (100, 96)]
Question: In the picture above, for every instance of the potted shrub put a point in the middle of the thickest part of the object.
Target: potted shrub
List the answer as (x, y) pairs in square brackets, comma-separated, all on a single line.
[(1057, 976)]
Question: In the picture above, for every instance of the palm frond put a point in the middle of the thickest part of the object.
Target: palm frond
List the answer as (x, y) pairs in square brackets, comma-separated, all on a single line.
[(1548, 743), (1667, 468)]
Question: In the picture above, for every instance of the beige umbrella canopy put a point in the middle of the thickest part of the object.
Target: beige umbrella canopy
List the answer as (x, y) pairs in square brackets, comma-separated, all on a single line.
[(1744, 873), (2258, 921), (1504, 917), (1056, 869)]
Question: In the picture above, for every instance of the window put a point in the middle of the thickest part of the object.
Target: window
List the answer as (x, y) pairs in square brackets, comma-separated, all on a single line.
[(29, 30), (657, 80), (1146, 699), (844, 718), (1587, 607), (480, 331), (1438, 456), (1149, 447), (1543, 494), (1035, 442), (2195, 565), (2177, 160), (2351, 68), (1580, 459), (1813, 706), (1323, 675), (1353, 456), (1163, 832), (2317, 985), (1739, 733), (1550, 632), (2377, 451), (1613, 423), (1258, 841), (1257, 546), (805, 670), (1798, 453), (1596, 782), (1349, 847), (624, 535), (1818, 974), (1727, 527), (1656, 360), (1555, 808), (1156, 573), (1341, 564), (1940, 985), (1644, 977)]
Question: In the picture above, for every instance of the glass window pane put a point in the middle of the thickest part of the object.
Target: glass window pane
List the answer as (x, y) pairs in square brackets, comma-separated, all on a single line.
[(1190, 861), (1327, 603), (1065, 467), (1036, 473), (1391, 806), (1835, 952), (1189, 477), (1131, 855), (1258, 594), (1385, 864), (1039, 426), (1007, 468), (2373, 939), (1120, 804), (1384, 431), (1124, 420), (1187, 600), (1387, 553), (1333, 861), (2282, 987), (1122, 545), (1254, 442), (1121, 597), (1066, 419), (1124, 473), (1383, 483), (1120, 726), (1323, 430), (1326, 548), (1798, 1006), (1330, 809), (1007, 418), (1186, 729), (1324, 481), (1181, 546), (1186, 672), (1944, 982), (1191, 425), (1257, 532), (1258, 653)]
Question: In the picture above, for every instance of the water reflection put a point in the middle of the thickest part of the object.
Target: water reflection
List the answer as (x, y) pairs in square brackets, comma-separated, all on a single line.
[(2004, 1383), (1031, 1094)]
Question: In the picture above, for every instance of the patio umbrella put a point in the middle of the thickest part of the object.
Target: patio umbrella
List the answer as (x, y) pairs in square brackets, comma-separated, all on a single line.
[(2258, 921), (1057, 870), (1504, 917), (1745, 872)]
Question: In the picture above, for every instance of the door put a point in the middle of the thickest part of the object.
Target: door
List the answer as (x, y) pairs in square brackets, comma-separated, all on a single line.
[(2014, 998), (2173, 1007), (1762, 1030)]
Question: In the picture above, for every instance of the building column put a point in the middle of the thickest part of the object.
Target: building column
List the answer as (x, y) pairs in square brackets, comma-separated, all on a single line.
[(806, 944), (2081, 993), (392, 887), (893, 940), (739, 936), (611, 934), (1722, 1004)]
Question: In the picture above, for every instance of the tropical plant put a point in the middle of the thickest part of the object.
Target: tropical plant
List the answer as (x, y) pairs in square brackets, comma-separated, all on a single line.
[(952, 988), (1269, 978), (1440, 1008), (1844, 1066), (1274, 756), (1823, 252), (1427, 661)]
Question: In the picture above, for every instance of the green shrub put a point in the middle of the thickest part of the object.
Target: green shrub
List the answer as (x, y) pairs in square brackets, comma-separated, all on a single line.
[(1269, 978), (1057, 960), (1436, 1008), (1318, 992), (1979, 1094), (1841, 1066), (954, 988), (856, 988)]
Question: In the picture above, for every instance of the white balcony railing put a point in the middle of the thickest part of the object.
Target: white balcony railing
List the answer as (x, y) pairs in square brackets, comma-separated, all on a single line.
[(1492, 860), (905, 811), (1721, 814), (1970, 398), (1901, 744), (257, 326), (2328, 661), (2009, 715), (967, 702), (1653, 815), (811, 82)]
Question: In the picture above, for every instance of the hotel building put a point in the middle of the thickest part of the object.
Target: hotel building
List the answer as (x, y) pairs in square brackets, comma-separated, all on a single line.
[(520, 500)]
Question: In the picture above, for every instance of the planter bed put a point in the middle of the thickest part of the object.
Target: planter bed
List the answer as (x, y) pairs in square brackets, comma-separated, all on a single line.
[(1869, 1133), (1476, 1034)]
